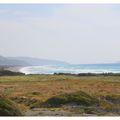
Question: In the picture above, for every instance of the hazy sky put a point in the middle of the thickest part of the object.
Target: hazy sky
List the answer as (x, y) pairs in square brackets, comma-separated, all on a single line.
[(79, 33)]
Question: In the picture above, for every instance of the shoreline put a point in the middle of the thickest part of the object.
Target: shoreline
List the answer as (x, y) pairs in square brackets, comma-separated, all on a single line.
[(23, 69)]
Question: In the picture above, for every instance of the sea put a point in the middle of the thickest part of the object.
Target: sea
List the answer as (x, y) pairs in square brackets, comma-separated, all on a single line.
[(72, 68)]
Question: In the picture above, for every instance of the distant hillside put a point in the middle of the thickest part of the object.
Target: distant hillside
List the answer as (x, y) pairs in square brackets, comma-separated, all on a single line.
[(11, 62), (27, 61), (38, 61)]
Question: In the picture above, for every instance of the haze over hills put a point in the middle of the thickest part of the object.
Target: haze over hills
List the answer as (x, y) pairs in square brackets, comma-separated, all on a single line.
[(39, 61), (28, 61), (12, 62)]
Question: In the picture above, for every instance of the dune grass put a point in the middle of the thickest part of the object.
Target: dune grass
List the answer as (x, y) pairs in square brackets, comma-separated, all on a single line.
[(33, 90), (8, 108), (78, 98)]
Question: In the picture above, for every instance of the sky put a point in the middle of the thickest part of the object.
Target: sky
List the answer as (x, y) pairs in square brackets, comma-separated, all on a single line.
[(75, 33)]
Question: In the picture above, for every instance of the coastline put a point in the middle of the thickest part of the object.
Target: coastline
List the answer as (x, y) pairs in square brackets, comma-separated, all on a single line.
[(14, 68), (44, 70), (72, 69)]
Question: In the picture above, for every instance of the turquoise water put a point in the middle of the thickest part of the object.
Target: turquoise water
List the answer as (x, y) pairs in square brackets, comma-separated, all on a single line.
[(81, 68)]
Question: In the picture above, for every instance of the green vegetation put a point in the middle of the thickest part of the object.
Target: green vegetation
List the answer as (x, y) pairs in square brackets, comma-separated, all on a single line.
[(9, 73), (89, 74), (78, 98), (8, 108), (113, 98)]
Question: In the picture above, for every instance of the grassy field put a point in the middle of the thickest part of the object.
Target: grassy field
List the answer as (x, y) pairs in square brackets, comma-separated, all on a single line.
[(30, 91)]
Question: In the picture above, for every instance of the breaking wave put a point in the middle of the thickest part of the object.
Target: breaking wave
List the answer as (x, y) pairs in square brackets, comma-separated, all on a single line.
[(74, 69)]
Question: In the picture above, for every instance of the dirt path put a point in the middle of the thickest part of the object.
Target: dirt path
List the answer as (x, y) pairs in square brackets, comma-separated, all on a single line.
[(46, 112)]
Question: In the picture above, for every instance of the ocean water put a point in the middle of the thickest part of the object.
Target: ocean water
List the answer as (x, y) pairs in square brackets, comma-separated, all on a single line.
[(75, 69)]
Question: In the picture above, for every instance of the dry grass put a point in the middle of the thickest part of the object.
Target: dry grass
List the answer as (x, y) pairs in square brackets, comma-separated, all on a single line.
[(35, 89), (50, 85)]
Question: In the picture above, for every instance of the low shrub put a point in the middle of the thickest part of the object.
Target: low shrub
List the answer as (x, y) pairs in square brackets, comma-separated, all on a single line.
[(113, 98), (79, 98), (8, 108)]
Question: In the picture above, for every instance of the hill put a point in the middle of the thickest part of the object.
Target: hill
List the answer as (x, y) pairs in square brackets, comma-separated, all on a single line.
[(4, 61), (28, 61), (38, 61)]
